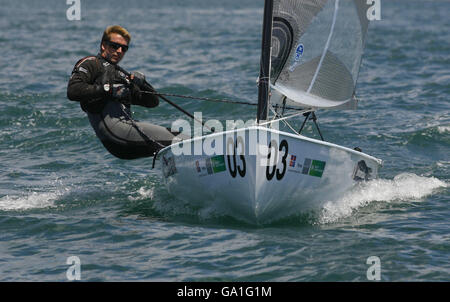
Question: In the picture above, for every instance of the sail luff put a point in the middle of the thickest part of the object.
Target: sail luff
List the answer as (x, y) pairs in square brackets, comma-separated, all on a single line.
[(264, 75)]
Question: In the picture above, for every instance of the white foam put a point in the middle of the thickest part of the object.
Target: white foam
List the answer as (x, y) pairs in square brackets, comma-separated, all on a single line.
[(405, 187), (443, 129), (142, 194), (32, 201), (443, 163)]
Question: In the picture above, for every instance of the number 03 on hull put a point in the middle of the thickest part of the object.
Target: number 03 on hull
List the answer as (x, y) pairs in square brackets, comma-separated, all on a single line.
[(260, 174)]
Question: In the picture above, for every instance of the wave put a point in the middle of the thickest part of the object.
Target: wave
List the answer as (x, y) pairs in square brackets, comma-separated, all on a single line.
[(142, 194), (33, 200), (443, 129), (405, 187)]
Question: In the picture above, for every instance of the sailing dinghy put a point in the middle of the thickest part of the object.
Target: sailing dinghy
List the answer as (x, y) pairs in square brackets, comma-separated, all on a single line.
[(310, 59)]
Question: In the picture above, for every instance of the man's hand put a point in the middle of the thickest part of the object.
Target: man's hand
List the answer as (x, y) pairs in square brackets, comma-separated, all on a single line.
[(119, 92), (138, 78)]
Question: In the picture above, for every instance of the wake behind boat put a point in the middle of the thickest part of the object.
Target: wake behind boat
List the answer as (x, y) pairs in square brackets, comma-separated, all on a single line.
[(311, 54)]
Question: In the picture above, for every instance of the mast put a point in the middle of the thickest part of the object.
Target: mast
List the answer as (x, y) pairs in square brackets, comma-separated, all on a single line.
[(264, 74)]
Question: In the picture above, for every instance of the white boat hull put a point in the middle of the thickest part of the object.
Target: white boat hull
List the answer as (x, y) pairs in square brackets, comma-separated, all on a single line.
[(257, 183)]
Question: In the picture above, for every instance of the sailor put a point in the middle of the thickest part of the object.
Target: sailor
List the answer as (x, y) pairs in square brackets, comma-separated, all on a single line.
[(106, 91)]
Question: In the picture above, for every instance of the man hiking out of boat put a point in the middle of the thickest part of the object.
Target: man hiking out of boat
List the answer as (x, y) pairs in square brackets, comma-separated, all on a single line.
[(106, 91)]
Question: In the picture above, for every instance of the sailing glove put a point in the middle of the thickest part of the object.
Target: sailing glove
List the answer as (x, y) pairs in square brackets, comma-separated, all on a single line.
[(119, 92), (138, 79)]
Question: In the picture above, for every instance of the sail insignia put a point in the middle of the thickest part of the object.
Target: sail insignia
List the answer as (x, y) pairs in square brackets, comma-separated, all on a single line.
[(282, 39)]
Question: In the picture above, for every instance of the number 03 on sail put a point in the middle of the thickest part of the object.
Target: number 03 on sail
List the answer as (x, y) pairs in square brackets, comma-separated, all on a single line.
[(310, 59)]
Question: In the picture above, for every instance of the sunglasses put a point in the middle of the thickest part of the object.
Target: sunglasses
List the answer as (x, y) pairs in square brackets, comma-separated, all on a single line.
[(116, 46)]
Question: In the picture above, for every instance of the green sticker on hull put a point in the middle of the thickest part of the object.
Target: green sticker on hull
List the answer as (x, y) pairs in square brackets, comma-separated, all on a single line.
[(218, 163), (317, 168)]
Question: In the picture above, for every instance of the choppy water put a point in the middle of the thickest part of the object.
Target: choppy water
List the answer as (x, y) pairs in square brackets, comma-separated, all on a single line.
[(62, 194)]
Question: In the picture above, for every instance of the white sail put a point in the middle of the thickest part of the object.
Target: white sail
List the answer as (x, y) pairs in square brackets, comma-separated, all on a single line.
[(317, 47)]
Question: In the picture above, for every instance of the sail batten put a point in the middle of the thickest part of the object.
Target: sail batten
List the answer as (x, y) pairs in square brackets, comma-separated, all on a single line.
[(317, 46)]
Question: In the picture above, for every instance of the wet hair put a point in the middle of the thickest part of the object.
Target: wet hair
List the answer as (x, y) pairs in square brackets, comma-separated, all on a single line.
[(115, 29)]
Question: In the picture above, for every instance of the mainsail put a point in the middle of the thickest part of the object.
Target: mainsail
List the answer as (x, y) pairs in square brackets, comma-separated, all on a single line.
[(317, 47)]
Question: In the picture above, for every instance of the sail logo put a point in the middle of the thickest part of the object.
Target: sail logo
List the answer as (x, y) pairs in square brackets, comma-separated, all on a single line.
[(299, 52), (298, 56)]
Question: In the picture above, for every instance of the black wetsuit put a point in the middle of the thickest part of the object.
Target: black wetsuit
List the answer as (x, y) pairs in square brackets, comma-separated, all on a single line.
[(122, 136)]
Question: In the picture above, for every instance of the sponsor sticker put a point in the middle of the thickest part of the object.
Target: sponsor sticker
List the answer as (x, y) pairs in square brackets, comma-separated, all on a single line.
[(197, 166), (82, 69), (209, 166), (292, 161), (313, 167), (306, 166), (317, 167), (215, 164), (218, 164)]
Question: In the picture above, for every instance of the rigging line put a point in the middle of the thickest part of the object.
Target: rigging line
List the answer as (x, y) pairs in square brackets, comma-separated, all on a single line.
[(290, 127), (167, 100), (275, 112), (199, 98), (287, 117), (284, 105), (147, 139), (327, 45), (209, 99), (287, 124), (314, 118), (304, 121), (185, 112)]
